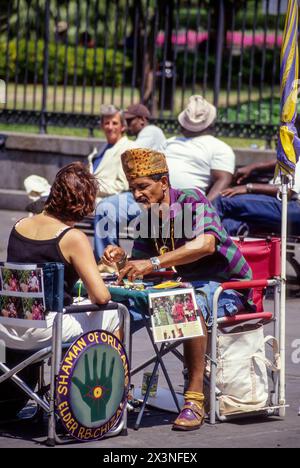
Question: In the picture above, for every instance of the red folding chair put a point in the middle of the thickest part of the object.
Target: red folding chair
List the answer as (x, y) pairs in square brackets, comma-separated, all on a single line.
[(263, 256)]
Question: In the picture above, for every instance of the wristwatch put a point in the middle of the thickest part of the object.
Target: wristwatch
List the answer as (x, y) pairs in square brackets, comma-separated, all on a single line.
[(155, 263), (249, 188)]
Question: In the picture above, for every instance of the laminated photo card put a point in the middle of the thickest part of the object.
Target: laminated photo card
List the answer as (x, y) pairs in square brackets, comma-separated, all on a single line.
[(174, 315), (22, 295)]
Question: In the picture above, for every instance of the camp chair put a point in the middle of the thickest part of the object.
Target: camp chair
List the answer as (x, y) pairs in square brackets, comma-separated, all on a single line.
[(263, 257), (15, 390)]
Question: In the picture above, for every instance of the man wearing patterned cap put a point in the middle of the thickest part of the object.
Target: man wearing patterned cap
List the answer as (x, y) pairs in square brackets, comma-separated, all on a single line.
[(202, 254), (198, 159)]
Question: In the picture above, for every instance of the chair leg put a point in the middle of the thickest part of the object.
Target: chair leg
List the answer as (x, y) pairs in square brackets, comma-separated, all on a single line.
[(276, 335), (213, 372), (55, 362)]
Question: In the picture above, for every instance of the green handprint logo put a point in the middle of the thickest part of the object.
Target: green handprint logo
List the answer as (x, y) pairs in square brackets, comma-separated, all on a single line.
[(96, 391)]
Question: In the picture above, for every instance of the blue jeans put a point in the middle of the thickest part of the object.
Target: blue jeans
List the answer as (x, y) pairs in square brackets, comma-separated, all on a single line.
[(113, 214), (230, 301), (261, 212)]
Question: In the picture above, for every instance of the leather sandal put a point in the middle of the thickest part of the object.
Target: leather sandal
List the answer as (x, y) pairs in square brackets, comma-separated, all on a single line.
[(190, 418)]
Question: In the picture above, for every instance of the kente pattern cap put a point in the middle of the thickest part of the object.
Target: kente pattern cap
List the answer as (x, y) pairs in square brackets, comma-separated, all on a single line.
[(141, 162), (198, 115)]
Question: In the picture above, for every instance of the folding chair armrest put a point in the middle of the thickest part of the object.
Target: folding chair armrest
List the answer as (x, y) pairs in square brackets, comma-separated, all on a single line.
[(78, 309), (248, 284)]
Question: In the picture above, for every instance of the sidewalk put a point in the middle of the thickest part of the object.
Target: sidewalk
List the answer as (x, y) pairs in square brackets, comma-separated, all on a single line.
[(155, 430)]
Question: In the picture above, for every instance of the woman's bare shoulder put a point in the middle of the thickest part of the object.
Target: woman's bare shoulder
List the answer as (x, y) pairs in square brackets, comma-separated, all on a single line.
[(75, 236)]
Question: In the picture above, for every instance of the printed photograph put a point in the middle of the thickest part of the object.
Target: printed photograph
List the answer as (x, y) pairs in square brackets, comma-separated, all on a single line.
[(33, 308), (10, 280), (31, 280), (174, 315), (11, 307)]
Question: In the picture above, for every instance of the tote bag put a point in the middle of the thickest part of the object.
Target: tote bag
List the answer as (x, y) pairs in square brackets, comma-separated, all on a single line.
[(242, 370)]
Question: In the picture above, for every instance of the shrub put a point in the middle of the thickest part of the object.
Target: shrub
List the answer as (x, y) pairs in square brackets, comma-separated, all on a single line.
[(29, 60)]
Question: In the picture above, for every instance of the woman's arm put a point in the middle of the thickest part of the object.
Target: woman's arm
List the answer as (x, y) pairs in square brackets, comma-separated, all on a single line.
[(77, 249)]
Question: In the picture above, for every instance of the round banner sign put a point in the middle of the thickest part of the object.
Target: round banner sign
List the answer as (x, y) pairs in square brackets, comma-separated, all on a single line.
[(92, 385)]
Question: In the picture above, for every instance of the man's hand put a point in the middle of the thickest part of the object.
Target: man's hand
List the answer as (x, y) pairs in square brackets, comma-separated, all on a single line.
[(135, 269), (113, 254), (243, 173), (232, 192)]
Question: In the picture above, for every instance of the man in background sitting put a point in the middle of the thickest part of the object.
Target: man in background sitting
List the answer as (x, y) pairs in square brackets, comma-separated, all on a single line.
[(147, 135), (197, 159), (107, 168)]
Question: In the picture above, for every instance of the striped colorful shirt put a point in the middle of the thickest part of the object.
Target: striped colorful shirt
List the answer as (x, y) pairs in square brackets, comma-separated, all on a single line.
[(191, 207)]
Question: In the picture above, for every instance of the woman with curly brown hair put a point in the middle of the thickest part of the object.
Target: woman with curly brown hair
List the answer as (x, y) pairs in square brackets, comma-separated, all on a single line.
[(51, 237)]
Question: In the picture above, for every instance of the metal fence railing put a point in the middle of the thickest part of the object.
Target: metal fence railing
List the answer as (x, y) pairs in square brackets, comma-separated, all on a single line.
[(62, 59)]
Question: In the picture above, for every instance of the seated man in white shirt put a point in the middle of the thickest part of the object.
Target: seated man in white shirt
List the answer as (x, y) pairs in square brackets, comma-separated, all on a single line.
[(198, 159), (147, 135), (106, 165)]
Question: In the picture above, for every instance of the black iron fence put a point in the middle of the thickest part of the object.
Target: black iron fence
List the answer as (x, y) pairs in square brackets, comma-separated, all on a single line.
[(61, 59)]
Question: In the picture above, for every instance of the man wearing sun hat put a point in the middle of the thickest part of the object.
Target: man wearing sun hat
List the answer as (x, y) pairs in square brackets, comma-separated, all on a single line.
[(147, 135), (198, 159), (202, 254)]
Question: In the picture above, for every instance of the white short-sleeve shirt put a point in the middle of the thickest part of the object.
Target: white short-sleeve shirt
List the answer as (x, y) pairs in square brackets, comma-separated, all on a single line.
[(191, 160), (151, 137)]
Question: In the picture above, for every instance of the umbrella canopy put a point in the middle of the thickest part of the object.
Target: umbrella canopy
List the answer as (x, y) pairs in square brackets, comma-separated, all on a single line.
[(288, 143)]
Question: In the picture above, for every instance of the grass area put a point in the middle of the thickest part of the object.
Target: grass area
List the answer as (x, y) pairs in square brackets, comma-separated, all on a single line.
[(88, 100), (264, 110), (232, 108), (246, 143), (61, 131)]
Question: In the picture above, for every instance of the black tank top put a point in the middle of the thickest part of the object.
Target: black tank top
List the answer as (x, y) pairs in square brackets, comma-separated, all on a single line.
[(24, 250)]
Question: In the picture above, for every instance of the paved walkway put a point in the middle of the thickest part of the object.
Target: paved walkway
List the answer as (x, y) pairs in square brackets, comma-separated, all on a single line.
[(155, 430)]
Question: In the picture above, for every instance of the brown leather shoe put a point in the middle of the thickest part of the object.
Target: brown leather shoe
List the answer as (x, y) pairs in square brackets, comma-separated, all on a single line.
[(190, 418)]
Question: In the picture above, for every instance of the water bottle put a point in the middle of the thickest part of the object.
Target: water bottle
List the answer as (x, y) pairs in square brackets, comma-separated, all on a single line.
[(148, 371)]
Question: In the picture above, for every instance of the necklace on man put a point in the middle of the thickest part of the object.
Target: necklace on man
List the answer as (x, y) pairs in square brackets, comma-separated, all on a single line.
[(164, 248)]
